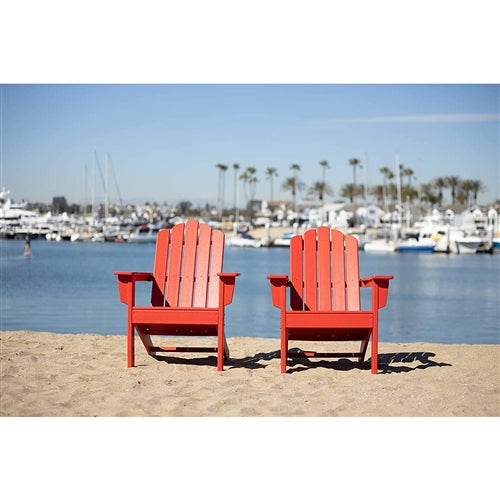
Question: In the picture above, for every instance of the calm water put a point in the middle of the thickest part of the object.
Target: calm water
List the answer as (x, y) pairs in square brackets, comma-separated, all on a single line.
[(70, 288)]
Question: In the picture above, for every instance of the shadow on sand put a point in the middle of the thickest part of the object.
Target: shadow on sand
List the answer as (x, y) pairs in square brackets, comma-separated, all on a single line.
[(396, 362)]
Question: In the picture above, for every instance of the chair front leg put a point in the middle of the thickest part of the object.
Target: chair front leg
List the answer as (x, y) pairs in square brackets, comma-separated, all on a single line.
[(130, 340), (284, 342), (375, 343), (222, 348)]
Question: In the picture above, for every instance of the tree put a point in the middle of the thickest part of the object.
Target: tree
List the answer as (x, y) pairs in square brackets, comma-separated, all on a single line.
[(440, 183), (428, 193), (270, 174), (320, 189), (349, 191), (295, 168), (184, 207), (354, 162), (408, 172), (236, 167), (379, 192), (387, 173), (476, 187), (220, 199), (468, 187), (453, 182), (292, 184), (59, 204), (249, 182), (324, 165)]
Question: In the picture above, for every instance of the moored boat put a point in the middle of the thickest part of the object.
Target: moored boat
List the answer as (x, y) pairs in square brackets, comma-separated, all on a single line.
[(424, 244), (380, 245), (284, 240), (146, 233), (244, 239)]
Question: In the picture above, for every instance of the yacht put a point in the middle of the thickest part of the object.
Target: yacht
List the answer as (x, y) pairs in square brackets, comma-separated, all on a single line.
[(146, 233)]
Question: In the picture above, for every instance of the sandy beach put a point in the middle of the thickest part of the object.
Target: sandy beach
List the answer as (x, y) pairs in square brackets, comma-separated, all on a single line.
[(47, 374)]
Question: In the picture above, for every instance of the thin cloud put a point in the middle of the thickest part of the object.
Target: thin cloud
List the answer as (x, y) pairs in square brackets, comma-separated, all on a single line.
[(439, 118)]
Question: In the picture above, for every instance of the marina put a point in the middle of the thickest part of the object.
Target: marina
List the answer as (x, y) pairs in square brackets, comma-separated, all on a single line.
[(473, 231)]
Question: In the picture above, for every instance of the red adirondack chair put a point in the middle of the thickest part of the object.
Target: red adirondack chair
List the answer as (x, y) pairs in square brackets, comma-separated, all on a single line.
[(324, 299), (189, 291)]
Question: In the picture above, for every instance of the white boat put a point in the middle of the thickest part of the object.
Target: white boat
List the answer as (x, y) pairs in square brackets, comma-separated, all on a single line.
[(380, 245), (244, 240), (496, 243), (284, 241), (145, 233), (455, 240), (423, 244)]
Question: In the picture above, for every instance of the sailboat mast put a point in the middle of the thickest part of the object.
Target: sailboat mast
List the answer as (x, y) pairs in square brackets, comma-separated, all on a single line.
[(93, 185), (106, 182)]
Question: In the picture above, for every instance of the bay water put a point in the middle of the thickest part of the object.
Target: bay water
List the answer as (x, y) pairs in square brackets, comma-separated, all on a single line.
[(66, 287)]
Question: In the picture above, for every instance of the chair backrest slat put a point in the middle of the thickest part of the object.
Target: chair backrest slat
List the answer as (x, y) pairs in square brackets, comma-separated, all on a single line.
[(188, 258), (337, 259), (310, 271), (324, 271), (296, 273), (174, 266), (160, 268), (188, 264), (202, 262), (352, 273), (216, 260)]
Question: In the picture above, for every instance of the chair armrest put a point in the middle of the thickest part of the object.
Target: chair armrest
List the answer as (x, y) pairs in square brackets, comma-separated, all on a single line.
[(228, 281), (380, 288), (126, 283), (278, 284)]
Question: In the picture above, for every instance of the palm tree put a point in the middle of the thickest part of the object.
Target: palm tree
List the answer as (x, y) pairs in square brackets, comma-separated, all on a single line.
[(249, 182), (222, 171), (408, 172), (325, 165), (289, 184), (270, 174), (453, 182), (354, 162), (236, 167), (475, 187), (292, 184), (320, 188), (295, 169), (428, 193), (387, 173), (440, 183), (379, 192), (349, 191)]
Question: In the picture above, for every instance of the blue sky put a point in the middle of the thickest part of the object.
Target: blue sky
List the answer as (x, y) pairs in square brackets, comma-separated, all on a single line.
[(164, 141)]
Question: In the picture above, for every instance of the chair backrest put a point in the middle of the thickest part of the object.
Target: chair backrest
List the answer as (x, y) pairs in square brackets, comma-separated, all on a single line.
[(187, 260), (324, 271)]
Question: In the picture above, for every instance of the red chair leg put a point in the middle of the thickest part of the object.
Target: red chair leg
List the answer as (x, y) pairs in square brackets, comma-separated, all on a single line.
[(130, 346), (284, 351), (375, 349)]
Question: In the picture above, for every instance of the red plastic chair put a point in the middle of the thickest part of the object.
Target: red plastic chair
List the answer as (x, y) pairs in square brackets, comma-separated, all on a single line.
[(324, 299), (189, 291)]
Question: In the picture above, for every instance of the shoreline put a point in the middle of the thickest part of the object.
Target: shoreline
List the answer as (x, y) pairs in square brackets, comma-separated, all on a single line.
[(53, 374)]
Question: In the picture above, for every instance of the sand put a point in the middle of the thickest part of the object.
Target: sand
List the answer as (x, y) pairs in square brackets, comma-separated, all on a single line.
[(47, 374)]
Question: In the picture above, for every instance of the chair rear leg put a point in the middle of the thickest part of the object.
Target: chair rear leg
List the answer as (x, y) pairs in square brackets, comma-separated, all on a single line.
[(375, 349), (130, 346), (284, 350), (222, 348)]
